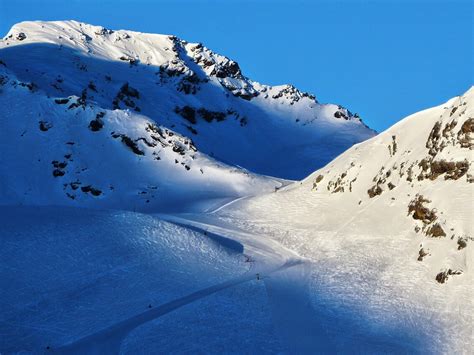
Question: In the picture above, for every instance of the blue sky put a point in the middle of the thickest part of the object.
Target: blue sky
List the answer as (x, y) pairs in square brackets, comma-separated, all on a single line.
[(382, 59)]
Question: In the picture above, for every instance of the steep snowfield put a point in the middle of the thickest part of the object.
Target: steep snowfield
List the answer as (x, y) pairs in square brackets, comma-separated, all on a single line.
[(61, 151), (187, 88), (389, 224)]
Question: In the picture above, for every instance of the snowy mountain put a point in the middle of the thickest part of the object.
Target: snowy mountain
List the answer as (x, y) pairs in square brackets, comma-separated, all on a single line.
[(185, 88), (63, 151), (372, 253), (389, 223)]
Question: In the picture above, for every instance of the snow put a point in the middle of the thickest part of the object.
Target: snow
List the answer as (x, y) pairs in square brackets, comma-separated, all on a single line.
[(67, 273), (170, 73), (348, 259), (126, 282), (163, 178), (366, 249)]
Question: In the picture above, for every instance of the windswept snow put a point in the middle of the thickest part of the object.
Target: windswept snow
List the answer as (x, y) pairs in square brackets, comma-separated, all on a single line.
[(79, 155), (71, 273), (187, 88), (389, 226), (110, 282), (371, 253)]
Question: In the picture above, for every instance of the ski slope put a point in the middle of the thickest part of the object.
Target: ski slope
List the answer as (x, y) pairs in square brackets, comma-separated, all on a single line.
[(130, 283), (71, 274), (389, 225), (371, 253)]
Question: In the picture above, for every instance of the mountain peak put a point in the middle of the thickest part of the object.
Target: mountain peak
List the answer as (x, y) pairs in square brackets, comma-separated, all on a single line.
[(187, 88)]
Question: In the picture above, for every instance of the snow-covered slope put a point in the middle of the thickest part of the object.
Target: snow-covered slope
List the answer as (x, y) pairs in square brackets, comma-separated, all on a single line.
[(389, 223), (68, 273), (185, 87), (63, 151)]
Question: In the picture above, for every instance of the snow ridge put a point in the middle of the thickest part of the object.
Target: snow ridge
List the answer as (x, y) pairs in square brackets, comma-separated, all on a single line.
[(186, 88)]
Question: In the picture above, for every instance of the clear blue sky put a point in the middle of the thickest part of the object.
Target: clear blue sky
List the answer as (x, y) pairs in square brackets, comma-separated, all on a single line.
[(382, 59)]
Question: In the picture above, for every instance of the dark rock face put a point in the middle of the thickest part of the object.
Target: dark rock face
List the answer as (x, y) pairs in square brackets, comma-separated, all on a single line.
[(465, 134), (129, 143), (433, 139), (294, 95), (188, 113), (61, 101), (58, 172), (374, 191), (432, 169), (44, 126), (103, 32), (132, 61), (210, 116), (92, 190), (21, 36), (80, 102), (340, 114), (462, 243), (435, 231), (126, 94), (443, 276), (421, 254), (97, 124), (58, 168), (453, 170), (421, 212)]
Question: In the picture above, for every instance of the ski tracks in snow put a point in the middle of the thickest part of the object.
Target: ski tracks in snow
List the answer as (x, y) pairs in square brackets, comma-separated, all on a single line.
[(109, 339), (291, 309)]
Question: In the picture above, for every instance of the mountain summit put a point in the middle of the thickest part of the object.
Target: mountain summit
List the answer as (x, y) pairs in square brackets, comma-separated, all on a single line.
[(270, 130)]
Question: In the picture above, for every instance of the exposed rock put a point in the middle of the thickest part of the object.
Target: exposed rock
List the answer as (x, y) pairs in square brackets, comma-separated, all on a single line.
[(102, 31), (129, 143), (127, 90), (79, 102), (21, 36), (132, 61), (443, 276), (432, 169), (420, 212), (61, 101), (374, 191), (392, 148), (97, 124), (58, 172), (435, 231), (433, 139), (144, 140), (462, 243), (293, 95), (421, 254), (44, 126), (126, 94), (453, 170), (93, 191), (188, 113), (92, 86), (209, 116), (465, 134)]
